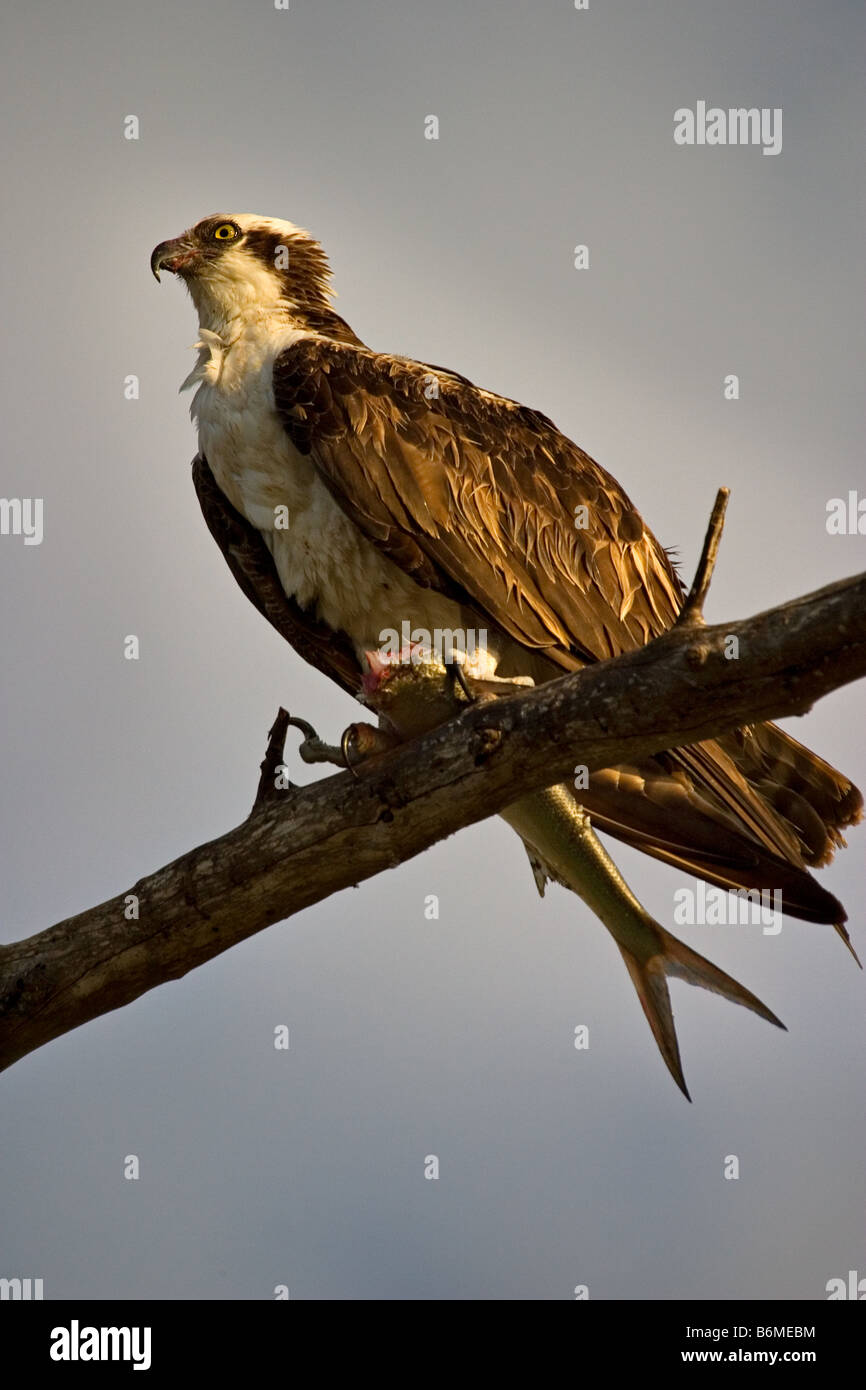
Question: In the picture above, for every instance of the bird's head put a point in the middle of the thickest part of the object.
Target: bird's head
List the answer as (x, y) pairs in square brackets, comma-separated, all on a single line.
[(241, 265)]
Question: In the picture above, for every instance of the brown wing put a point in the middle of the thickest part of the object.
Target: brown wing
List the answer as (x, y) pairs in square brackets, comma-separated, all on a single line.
[(485, 500), (251, 563), (479, 497)]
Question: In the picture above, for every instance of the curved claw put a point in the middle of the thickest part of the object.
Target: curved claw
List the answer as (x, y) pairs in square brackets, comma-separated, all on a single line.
[(345, 744), (458, 675), (314, 749), (295, 722)]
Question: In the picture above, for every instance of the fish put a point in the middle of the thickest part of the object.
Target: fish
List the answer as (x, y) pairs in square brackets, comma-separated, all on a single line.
[(414, 690), (562, 845)]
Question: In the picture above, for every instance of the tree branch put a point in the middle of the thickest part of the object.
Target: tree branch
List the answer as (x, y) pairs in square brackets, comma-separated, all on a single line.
[(273, 760), (692, 612), (311, 842)]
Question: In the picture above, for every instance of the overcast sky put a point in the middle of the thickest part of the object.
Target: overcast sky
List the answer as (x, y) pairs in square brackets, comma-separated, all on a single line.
[(412, 1037)]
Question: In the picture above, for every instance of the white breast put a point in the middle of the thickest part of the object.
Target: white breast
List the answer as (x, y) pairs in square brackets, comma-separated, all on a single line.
[(323, 560)]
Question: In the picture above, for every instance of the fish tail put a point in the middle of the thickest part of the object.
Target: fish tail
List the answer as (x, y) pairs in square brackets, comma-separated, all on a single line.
[(563, 846), (674, 959)]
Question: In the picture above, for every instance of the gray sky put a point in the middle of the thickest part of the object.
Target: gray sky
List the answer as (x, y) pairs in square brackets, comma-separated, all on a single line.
[(411, 1037)]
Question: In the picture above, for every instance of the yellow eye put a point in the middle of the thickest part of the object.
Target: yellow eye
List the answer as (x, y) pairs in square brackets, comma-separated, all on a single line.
[(226, 231)]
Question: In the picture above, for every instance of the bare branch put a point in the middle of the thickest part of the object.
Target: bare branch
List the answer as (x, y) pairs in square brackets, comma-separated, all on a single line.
[(692, 612), (318, 839), (273, 759)]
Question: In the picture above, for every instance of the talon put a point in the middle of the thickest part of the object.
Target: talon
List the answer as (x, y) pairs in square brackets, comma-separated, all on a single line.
[(345, 744), (295, 722), (367, 741), (314, 749), (458, 675)]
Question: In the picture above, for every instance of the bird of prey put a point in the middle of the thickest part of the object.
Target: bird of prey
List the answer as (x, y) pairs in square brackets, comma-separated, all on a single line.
[(353, 492)]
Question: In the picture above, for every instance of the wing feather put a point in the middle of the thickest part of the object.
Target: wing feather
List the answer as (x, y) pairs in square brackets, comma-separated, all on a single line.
[(486, 492)]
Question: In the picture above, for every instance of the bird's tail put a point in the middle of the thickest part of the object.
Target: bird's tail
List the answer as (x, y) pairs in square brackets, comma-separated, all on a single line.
[(563, 846)]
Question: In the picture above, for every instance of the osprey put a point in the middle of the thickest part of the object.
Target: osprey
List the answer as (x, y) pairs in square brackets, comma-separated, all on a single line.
[(355, 493)]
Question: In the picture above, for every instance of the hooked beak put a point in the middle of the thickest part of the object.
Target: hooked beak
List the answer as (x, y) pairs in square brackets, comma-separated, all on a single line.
[(177, 256)]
